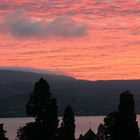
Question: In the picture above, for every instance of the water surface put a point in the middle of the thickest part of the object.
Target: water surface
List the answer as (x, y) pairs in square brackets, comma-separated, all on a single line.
[(82, 124)]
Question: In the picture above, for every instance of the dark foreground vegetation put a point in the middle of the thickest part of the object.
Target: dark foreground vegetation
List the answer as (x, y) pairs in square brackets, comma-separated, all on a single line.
[(118, 125)]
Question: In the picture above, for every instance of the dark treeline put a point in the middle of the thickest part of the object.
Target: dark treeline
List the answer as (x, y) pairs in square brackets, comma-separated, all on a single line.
[(117, 125), (43, 107), (121, 124)]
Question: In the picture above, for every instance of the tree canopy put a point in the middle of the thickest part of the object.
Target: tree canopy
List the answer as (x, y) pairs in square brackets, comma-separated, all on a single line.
[(2, 133), (121, 124), (67, 129), (43, 107)]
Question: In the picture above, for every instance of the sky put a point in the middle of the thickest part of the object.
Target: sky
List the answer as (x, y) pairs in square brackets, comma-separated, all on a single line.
[(86, 39)]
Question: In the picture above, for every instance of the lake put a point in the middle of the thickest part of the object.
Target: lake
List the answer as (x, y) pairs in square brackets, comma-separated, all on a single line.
[(82, 124)]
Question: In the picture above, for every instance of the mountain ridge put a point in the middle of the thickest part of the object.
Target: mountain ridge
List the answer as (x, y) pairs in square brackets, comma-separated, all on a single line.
[(86, 97)]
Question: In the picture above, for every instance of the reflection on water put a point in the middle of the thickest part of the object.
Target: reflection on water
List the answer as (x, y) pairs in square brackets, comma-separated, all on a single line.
[(82, 124)]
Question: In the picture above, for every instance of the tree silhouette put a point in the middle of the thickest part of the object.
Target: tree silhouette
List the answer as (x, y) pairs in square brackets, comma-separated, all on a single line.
[(108, 130), (43, 108), (39, 101), (67, 129), (121, 125), (34, 131), (2, 133), (28, 132), (128, 126)]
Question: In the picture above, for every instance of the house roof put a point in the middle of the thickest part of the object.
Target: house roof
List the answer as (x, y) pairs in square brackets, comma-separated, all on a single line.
[(90, 135)]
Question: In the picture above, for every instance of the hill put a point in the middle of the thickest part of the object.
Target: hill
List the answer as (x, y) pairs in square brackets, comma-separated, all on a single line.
[(86, 97)]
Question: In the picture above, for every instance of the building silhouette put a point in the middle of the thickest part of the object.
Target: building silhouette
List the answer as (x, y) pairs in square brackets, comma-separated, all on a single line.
[(89, 135)]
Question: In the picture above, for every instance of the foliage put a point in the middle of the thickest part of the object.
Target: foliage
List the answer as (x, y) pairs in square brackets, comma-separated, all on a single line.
[(43, 108), (107, 131), (39, 100), (128, 126), (2, 133), (67, 129), (121, 125), (34, 131)]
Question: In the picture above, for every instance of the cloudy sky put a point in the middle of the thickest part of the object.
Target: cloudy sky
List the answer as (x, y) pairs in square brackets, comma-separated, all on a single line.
[(86, 39)]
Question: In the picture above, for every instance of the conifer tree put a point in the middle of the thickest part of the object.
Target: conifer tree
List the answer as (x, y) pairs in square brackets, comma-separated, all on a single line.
[(67, 130), (38, 104), (121, 125), (43, 108), (128, 126)]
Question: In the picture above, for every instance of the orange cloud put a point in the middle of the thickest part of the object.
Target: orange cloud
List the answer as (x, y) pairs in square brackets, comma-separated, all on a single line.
[(110, 51)]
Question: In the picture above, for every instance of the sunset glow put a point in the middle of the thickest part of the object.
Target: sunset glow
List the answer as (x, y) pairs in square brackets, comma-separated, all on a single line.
[(86, 39)]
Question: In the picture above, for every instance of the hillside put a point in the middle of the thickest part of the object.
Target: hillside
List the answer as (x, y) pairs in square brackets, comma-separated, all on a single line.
[(86, 97)]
